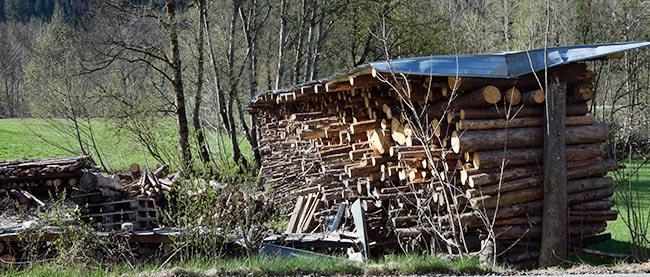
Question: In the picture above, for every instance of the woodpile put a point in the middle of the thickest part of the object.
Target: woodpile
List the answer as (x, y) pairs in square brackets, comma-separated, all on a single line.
[(34, 180), (147, 183), (111, 204), (432, 159)]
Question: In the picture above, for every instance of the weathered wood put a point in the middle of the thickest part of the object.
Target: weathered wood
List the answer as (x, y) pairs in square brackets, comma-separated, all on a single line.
[(554, 250), (576, 109), (292, 225), (518, 122), (483, 97), (511, 96), (525, 156), (536, 193), (362, 126), (533, 97), (478, 140), (598, 169)]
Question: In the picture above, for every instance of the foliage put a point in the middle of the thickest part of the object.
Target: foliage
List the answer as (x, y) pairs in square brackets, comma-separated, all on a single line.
[(213, 214)]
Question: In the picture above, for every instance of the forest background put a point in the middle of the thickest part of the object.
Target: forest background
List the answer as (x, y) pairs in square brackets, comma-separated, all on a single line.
[(176, 76)]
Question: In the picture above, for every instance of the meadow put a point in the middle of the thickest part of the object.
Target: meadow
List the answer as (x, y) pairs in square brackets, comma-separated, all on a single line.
[(38, 138)]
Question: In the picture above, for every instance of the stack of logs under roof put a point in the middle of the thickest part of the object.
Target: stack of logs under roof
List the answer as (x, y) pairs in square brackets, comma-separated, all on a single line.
[(434, 160)]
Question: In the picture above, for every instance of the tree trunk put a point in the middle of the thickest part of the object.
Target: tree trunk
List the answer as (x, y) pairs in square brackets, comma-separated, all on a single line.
[(221, 98), (200, 137), (232, 93), (297, 75), (554, 249), (177, 83), (251, 33), (319, 41), (310, 40), (281, 44)]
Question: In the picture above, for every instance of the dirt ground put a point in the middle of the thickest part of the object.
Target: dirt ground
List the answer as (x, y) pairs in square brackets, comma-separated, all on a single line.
[(584, 269)]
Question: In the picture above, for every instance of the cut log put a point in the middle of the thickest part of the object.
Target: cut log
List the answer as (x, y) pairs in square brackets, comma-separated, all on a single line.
[(380, 141), (483, 97), (536, 193), (525, 156), (518, 122), (135, 170), (511, 96), (598, 169), (593, 216), (478, 140), (18, 196), (461, 84), (360, 127), (496, 176), (32, 198), (533, 97), (397, 131), (576, 109), (535, 231), (599, 205)]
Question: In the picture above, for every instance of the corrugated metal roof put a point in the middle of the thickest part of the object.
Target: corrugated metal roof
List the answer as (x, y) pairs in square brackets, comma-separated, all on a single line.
[(493, 65), (501, 65)]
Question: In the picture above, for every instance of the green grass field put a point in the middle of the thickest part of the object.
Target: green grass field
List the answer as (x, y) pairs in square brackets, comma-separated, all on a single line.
[(37, 138), (637, 186)]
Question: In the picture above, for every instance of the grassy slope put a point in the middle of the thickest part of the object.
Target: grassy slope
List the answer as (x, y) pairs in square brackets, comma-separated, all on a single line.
[(28, 138), (33, 138)]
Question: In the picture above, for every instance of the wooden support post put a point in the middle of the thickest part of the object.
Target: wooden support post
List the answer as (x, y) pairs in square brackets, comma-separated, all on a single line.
[(554, 250)]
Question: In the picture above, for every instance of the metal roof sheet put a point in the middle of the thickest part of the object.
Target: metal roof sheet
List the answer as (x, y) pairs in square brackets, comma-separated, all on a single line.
[(501, 65), (492, 65)]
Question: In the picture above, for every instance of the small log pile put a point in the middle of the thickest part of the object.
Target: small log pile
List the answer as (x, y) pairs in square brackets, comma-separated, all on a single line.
[(432, 159), (149, 184), (34, 180)]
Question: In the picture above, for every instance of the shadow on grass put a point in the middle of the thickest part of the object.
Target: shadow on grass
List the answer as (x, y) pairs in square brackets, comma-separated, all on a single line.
[(610, 246)]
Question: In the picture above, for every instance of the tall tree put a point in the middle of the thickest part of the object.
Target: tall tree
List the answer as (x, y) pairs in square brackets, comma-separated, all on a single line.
[(147, 35), (177, 84), (196, 120)]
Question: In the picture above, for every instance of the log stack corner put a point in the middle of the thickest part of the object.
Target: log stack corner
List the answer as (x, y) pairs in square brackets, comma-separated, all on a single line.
[(433, 158)]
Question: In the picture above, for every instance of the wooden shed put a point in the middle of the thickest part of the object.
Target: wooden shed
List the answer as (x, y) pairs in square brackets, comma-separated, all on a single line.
[(441, 154)]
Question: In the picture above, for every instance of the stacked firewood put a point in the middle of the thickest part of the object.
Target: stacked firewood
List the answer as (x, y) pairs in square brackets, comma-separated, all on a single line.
[(440, 158), (149, 184), (31, 180)]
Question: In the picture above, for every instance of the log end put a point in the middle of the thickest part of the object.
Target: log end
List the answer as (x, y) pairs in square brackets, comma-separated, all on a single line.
[(455, 142), (538, 96), (512, 96), (491, 94), (476, 160)]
